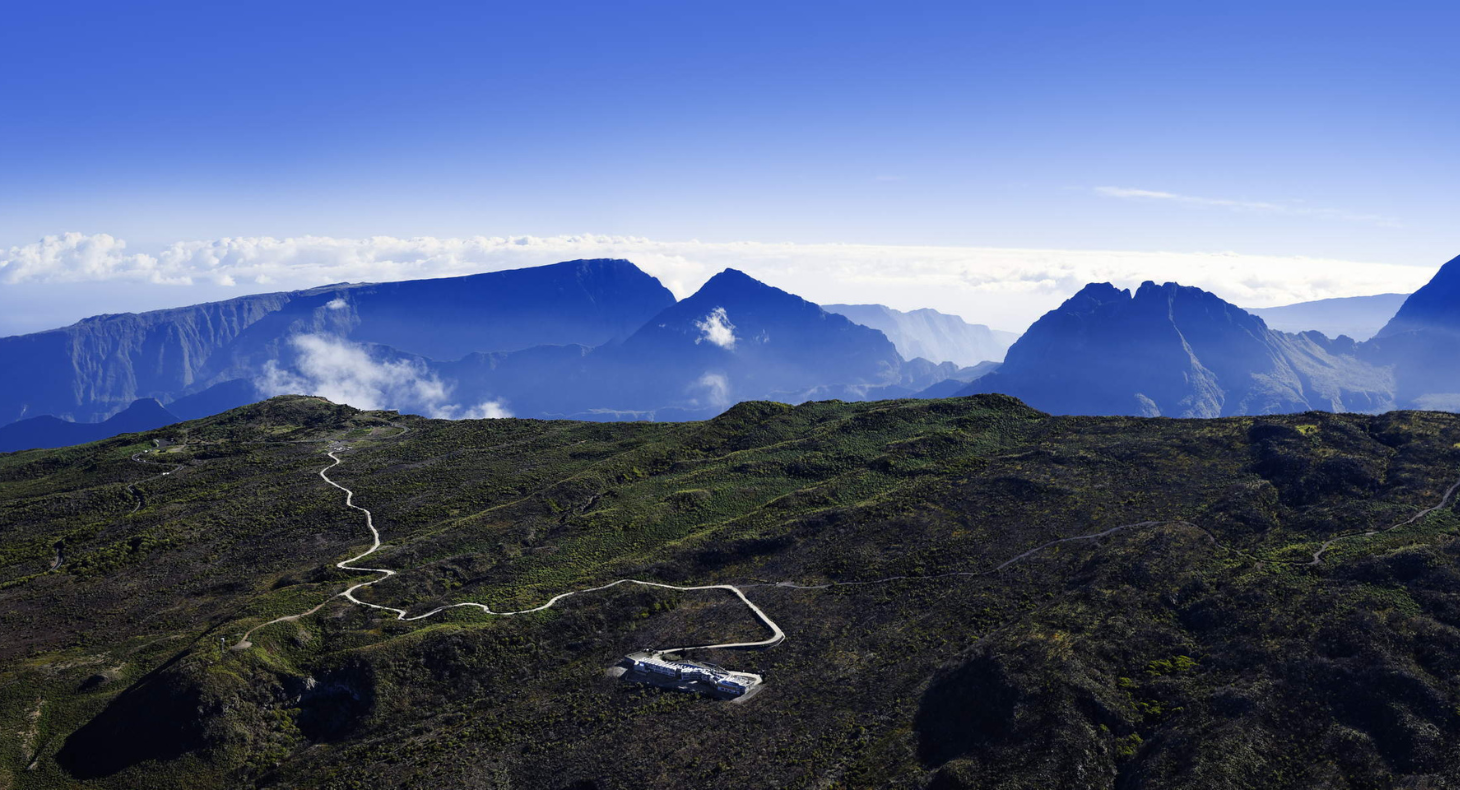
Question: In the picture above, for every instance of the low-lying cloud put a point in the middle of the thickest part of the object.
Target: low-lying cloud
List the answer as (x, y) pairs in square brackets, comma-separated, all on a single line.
[(716, 328), (1004, 288), (346, 372)]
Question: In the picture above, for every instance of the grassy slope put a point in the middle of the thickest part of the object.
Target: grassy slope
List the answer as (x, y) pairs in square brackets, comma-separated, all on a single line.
[(1199, 651)]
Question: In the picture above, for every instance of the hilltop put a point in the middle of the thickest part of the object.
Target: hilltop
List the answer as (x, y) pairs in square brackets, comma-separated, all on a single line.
[(1184, 637)]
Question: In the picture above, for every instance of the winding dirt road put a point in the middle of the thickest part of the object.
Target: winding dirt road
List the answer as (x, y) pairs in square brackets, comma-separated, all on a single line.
[(777, 635), (1444, 500), (132, 487)]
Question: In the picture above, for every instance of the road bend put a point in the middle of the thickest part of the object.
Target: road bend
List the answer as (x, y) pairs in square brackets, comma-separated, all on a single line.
[(777, 635)]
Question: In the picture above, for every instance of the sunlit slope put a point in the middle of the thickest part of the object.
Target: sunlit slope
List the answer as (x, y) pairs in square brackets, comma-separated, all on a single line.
[(1198, 645)]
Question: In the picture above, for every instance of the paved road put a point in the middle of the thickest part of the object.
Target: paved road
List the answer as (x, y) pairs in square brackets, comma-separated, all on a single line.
[(132, 487), (777, 635)]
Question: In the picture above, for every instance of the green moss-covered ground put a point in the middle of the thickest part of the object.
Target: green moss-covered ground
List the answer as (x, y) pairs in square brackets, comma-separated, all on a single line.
[(1201, 650)]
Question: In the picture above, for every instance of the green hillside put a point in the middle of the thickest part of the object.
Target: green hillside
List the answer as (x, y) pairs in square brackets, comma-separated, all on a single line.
[(1199, 645)]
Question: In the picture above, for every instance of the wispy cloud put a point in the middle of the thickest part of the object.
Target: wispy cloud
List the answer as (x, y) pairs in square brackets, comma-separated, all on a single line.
[(713, 387), (1294, 208)]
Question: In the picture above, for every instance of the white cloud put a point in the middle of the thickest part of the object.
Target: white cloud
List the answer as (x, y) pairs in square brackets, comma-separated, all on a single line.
[(77, 257), (345, 372), (716, 388), (1005, 288), (487, 410), (1293, 208), (336, 304), (717, 329)]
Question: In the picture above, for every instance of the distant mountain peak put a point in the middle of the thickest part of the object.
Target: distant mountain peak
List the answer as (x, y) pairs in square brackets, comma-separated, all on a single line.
[(733, 282), (1098, 293), (1436, 306), (930, 334), (1173, 350), (144, 405)]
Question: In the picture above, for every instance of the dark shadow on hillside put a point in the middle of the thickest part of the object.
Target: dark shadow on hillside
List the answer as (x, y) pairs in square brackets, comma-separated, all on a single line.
[(154, 719), (966, 709)]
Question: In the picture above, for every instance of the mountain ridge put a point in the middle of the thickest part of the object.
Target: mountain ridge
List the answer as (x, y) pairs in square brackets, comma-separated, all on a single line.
[(974, 594), (1173, 350), (91, 369), (46, 432), (932, 335)]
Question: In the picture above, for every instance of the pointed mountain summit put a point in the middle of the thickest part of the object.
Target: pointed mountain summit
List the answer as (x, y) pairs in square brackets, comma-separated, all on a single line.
[(739, 339), (1422, 344), (1178, 351), (734, 312), (1435, 307)]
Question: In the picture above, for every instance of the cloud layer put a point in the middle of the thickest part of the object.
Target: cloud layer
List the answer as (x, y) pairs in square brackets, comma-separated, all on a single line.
[(1005, 288)]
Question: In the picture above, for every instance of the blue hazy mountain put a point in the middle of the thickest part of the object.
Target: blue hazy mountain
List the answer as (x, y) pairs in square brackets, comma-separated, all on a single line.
[(1433, 308), (740, 339), (959, 380), (1178, 351), (603, 340), (94, 368), (1422, 344), (1358, 317), (929, 334), (39, 432), (735, 339)]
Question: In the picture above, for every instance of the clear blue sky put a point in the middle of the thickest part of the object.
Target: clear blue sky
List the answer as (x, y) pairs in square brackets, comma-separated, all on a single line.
[(1288, 128)]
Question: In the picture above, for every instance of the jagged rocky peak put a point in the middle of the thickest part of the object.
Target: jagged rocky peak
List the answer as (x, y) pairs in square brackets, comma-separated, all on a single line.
[(1173, 350)]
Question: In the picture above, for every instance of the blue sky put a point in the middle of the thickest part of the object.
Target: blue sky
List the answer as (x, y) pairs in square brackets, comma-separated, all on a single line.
[(1311, 129)]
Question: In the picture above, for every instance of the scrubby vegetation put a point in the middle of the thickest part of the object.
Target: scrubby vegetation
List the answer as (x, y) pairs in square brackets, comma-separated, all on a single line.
[(1202, 649)]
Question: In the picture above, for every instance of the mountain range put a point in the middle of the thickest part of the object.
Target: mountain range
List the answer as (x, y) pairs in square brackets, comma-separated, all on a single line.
[(931, 335), (593, 339), (90, 370), (1176, 351), (144, 414), (1359, 317), (602, 340)]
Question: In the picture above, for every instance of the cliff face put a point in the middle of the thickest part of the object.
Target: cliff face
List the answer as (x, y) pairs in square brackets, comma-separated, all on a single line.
[(90, 370)]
